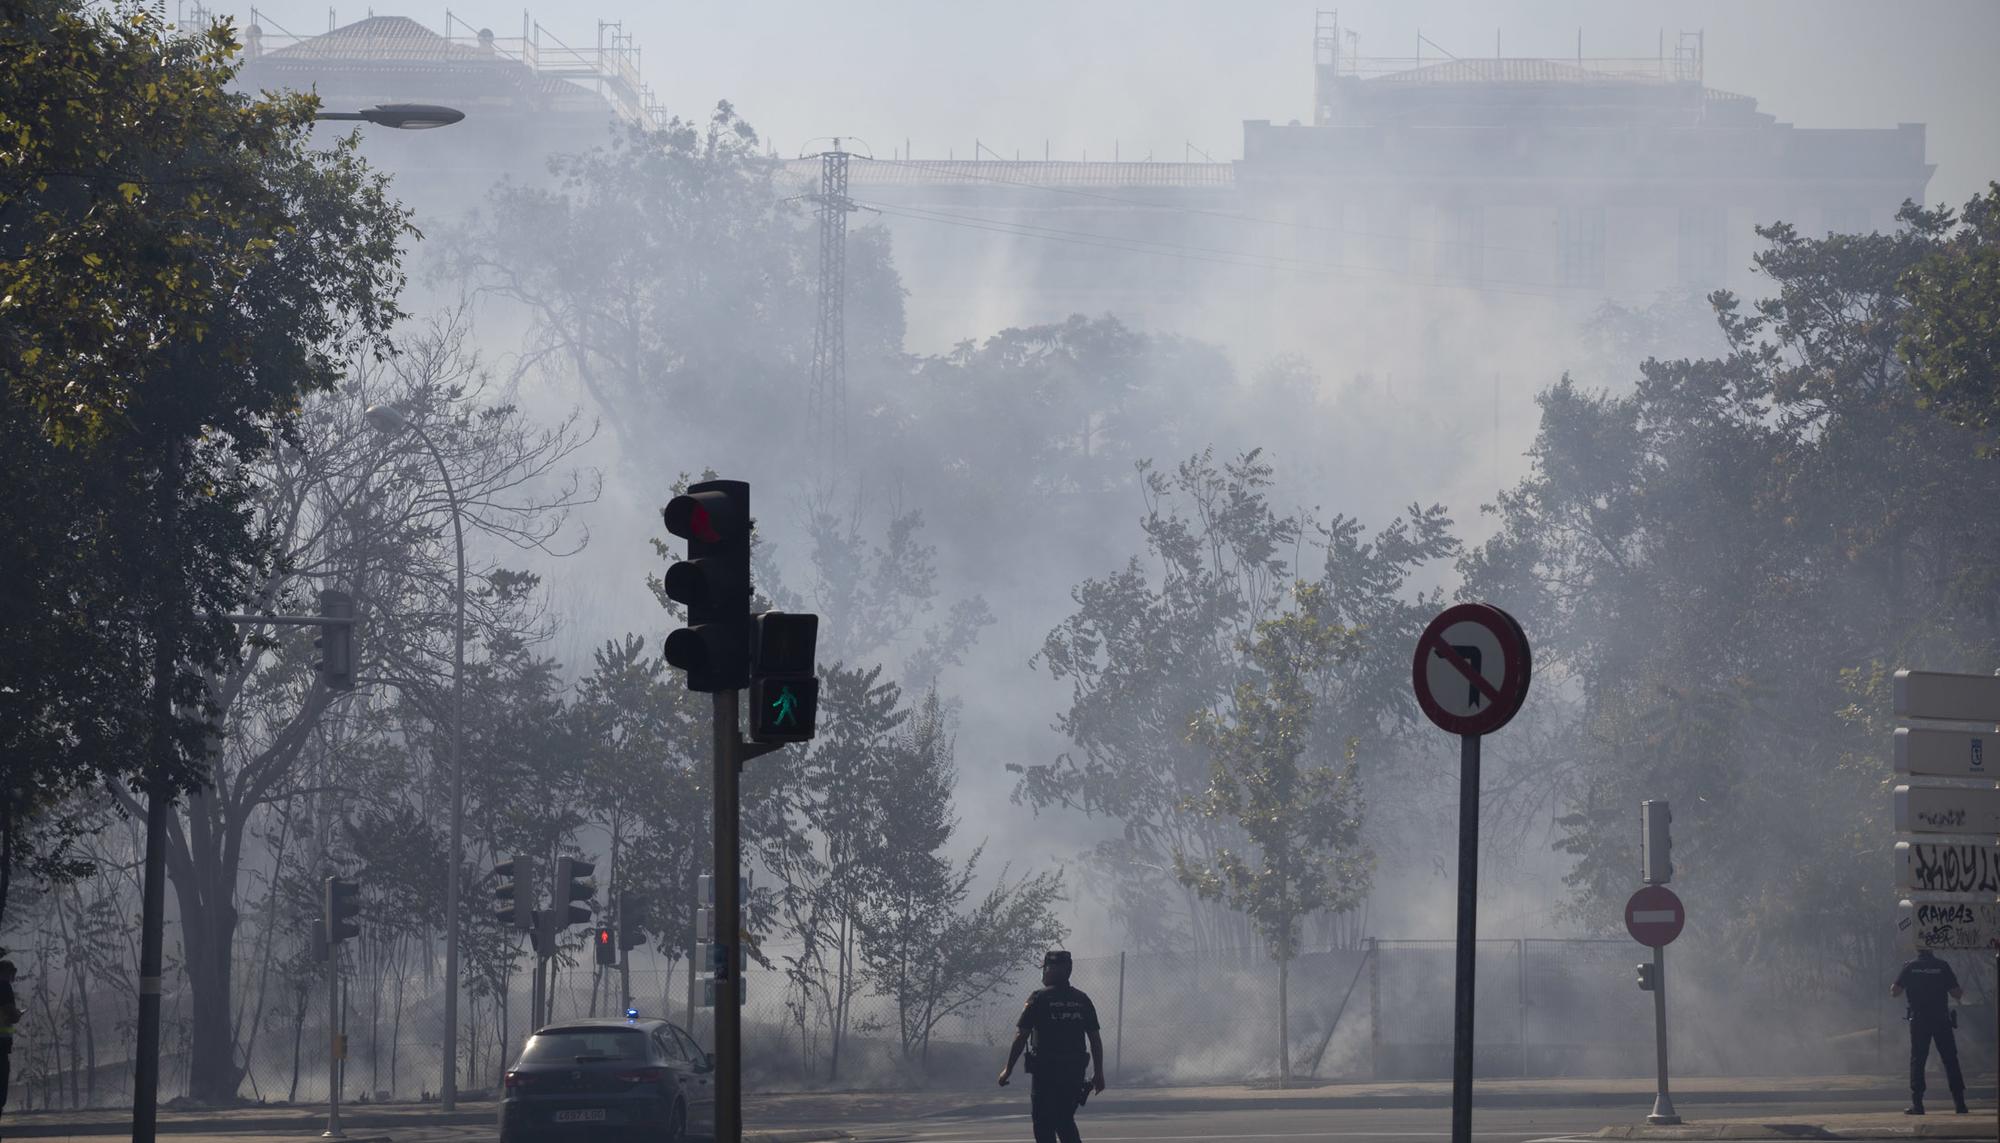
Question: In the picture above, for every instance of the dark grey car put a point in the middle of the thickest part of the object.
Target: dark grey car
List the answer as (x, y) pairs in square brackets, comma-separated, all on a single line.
[(606, 1079)]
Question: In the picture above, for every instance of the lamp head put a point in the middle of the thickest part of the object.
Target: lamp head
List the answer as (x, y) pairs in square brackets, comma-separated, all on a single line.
[(386, 418)]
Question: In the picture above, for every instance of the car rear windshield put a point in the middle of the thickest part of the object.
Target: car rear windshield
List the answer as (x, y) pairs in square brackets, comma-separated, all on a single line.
[(566, 1044)]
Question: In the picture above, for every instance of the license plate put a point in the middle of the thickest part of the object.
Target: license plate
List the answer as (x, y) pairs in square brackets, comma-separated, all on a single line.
[(586, 1115)]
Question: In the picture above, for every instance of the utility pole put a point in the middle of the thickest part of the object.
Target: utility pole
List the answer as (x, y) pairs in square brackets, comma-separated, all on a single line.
[(826, 403)]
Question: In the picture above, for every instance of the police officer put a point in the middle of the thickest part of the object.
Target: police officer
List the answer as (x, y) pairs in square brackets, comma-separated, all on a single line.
[(1060, 1019), (1927, 981)]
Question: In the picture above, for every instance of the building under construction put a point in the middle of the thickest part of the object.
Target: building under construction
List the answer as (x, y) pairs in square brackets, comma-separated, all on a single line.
[(1501, 180)]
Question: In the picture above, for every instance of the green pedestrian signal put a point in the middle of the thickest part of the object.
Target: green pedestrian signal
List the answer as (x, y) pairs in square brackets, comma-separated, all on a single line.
[(787, 707), (784, 688)]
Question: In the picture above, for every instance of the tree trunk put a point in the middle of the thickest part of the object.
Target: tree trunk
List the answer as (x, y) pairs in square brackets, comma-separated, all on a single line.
[(1284, 1023)]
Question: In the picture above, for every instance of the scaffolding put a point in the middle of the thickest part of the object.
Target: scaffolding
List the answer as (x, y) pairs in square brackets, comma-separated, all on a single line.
[(1337, 59), (611, 69)]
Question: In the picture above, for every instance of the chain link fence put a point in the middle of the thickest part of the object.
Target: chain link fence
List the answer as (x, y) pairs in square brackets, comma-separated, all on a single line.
[(1381, 1011)]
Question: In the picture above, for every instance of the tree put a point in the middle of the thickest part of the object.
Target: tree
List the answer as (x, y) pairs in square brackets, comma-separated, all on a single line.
[(1153, 650), (1272, 780), (919, 945), (341, 505), (1953, 339), (179, 270), (1725, 565), (665, 261)]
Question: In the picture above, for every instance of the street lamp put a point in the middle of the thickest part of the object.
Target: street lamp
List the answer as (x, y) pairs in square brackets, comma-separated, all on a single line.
[(402, 116), (389, 420)]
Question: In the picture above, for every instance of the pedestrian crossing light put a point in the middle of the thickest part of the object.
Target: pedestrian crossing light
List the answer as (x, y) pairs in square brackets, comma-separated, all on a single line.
[(1647, 980), (607, 946), (784, 690)]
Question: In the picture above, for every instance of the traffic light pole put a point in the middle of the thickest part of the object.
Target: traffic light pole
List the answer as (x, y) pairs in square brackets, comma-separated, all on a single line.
[(333, 1130), (1663, 1103), (728, 925)]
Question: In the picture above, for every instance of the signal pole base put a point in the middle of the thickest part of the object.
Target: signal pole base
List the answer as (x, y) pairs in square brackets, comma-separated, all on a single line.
[(1663, 1112)]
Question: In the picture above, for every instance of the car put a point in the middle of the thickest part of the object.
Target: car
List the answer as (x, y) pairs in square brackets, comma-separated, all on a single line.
[(609, 1079)]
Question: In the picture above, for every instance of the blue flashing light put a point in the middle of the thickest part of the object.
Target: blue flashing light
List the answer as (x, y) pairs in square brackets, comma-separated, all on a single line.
[(631, 1015)]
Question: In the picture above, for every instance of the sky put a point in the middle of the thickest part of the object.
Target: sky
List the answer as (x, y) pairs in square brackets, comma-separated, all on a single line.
[(1100, 77)]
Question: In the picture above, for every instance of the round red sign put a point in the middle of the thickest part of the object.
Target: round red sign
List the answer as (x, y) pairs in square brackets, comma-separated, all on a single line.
[(1654, 916), (1471, 669)]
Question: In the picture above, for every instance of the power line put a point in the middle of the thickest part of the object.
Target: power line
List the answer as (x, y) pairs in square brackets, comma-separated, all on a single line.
[(1211, 255)]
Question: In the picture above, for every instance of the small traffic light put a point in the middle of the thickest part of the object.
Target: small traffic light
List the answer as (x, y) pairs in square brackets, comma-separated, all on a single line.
[(632, 920), (607, 945), (336, 640), (340, 904), (713, 583), (1647, 981), (1656, 843), (784, 691), (514, 896), (572, 885)]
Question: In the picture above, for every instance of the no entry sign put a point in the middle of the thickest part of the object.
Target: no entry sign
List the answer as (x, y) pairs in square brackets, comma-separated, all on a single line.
[(1654, 916), (1471, 669)]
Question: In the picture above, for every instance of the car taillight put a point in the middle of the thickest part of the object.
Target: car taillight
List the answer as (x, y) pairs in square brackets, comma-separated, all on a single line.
[(519, 1079), (642, 1075)]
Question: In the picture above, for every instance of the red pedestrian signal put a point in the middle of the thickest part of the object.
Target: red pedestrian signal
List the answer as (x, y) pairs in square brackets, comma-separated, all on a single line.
[(607, 946)]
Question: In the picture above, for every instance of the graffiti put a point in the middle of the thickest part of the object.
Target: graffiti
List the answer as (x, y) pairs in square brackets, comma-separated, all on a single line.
[(1951, 925), (1942, 819), (1955, 868)]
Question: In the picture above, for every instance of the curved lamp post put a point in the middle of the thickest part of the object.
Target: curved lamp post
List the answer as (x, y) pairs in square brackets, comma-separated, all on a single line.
[(152, 909), (402, 116), (389, 420)]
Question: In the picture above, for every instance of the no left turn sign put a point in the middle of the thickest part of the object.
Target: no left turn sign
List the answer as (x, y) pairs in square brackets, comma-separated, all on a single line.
[(1471, 669)]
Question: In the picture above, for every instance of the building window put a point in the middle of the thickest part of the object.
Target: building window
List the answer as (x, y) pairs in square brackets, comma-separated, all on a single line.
[(1582, 254), (1461, 240), (1704, 247)]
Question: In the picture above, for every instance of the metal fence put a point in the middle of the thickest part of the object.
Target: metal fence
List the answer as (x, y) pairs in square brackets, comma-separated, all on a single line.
[(1382, 1011)]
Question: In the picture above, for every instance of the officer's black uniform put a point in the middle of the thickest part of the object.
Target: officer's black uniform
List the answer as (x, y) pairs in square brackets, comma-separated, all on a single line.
[(1060, 1017), (1927, 983)]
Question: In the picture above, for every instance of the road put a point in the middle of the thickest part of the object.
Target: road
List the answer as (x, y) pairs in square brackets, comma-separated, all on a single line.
[(1250, 1125), (1402, 1125)]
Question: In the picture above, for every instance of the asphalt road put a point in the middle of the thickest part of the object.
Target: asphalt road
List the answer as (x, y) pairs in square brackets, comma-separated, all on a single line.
[(1502, 1125)]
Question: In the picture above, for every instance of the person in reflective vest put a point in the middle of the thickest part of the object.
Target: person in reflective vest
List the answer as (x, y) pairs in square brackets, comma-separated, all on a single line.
[(1927, 981), (1060, 1019)]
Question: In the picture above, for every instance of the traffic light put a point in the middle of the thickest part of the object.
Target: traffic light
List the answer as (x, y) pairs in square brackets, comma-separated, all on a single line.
[(713, 583), (1656, 844), (572, 885), (784, 691), (1647, 981), (607, 945), (336, 641), (631, 920), (514, 896), (340, 903)]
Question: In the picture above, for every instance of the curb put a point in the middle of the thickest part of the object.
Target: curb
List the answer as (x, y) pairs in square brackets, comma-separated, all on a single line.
[(810, 1135), (1786, 1131)]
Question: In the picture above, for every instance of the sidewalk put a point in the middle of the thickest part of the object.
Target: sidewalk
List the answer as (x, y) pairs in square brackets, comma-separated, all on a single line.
[(1981, 1124)]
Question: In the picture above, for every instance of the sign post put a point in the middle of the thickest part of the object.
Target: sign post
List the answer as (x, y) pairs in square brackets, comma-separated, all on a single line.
[(1471, 675), (1654, 918), (1953, 904)]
